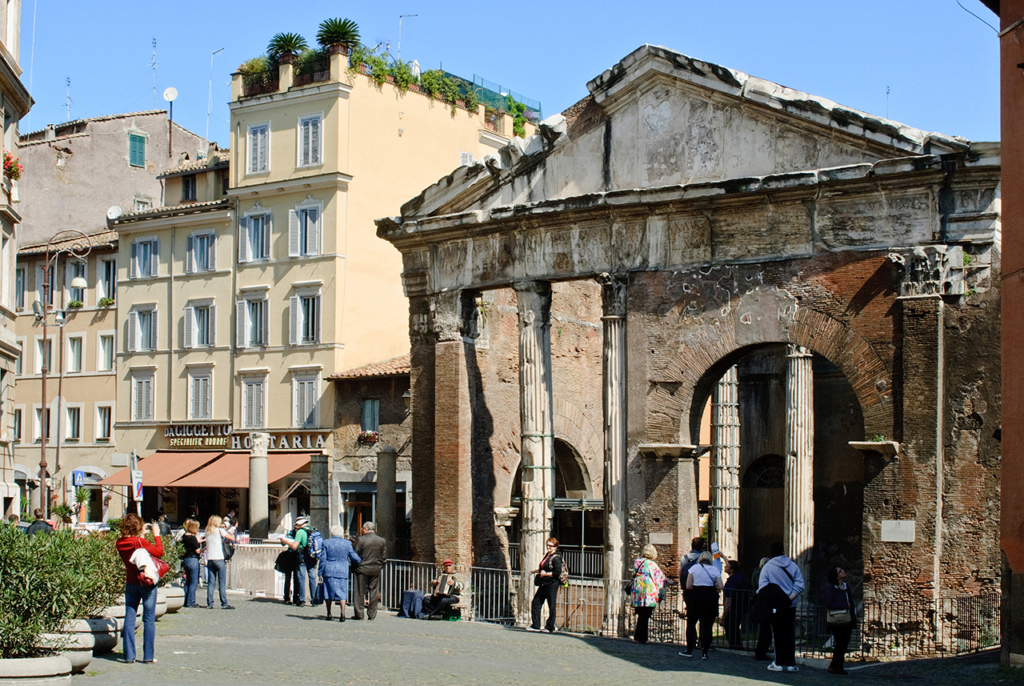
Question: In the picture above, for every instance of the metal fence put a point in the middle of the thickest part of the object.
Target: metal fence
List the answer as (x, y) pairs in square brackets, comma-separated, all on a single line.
[(587, 563), (885, 629), (259, 82)]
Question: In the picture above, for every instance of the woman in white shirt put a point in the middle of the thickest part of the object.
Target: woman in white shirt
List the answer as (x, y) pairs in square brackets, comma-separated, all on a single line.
[(705, 580), (215, 536)]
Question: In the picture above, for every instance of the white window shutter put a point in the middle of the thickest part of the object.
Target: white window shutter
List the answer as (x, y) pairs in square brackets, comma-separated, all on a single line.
[(243, 240), (314, 238), (147, 399), (190, 255), (268, 226), (319, 318), (315, 141), (266, 322), (264, 144), (311, 403), (299, 398), (293, 233), (241, 314), (156, 259), (190, 328), (204, 397), (211, 246), (295, 312), (193, 409), (258, 405), (133, 331), (211, 326), (133, 267)]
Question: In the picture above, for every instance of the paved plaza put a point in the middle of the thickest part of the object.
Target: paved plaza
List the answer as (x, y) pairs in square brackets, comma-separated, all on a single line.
[(267, 642)]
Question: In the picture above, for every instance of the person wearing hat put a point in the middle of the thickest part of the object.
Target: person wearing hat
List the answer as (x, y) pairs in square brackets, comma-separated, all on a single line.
[(299, 543), (446, 591)]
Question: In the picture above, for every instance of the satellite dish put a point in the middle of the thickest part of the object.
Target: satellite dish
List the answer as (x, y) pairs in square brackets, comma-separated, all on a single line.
[(170, 94), (114, 212)]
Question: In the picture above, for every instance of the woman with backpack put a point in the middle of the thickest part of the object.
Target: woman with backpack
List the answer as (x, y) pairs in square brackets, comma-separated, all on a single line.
[(547, 579), (704, 581), (646, 589)]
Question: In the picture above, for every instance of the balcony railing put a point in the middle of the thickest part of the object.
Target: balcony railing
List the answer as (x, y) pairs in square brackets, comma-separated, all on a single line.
[(257, 83)]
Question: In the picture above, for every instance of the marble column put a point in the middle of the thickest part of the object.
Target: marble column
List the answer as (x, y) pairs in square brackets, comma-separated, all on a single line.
[(536, 405), (259, 493), (614, 381), (384, 517), (799, 492), (724, 522)]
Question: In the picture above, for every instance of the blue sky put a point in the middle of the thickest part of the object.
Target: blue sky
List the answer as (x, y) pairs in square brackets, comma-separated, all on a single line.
[(939, 64)]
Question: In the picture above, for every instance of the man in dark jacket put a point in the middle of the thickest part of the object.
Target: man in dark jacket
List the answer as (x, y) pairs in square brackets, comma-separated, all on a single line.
[(688, 560), (40, 525), (373, 550)]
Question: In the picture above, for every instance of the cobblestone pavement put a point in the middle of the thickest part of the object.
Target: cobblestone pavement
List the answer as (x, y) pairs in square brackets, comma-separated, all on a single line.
[(267, 642)]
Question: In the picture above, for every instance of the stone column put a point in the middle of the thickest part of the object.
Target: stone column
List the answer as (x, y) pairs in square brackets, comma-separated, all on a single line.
[(421, 388), (614, 381), (799, 493), (319, 495), (724, 522), (453, 438), (536, 405), (259, 492), (384, 517)]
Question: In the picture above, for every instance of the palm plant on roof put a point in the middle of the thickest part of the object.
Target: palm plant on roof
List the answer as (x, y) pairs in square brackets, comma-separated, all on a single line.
[(339, 34), (285, 44)]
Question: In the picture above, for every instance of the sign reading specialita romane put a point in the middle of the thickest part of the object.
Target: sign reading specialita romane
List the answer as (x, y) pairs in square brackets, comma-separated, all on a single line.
[(223, 436)]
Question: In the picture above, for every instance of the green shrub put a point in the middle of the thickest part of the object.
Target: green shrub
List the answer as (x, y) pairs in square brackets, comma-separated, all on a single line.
[(343, 32), (312, 61), (378, 68), (518, 112), (401, 72), (430, 82)]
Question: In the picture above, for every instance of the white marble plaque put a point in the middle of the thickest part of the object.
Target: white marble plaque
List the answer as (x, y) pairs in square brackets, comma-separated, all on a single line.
[(660, 538), (898, 531)]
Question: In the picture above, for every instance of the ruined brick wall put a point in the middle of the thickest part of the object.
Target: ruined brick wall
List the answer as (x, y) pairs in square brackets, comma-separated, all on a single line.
[(421, 361)]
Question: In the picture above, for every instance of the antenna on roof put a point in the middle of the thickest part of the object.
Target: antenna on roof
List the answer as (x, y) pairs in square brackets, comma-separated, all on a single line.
[(400, 18), (154, 73), (886, 102), (69, 97)]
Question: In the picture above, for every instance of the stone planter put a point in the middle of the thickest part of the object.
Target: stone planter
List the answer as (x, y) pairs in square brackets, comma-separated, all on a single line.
[(175, 598), (116, 612), (39, 671), (105, 632), (75, 647)]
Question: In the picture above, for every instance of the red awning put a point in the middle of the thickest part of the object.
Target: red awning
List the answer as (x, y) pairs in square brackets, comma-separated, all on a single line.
[(163, 467), (231, 470)]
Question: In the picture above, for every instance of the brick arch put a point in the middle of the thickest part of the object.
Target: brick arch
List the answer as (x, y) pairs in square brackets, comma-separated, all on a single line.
[(571, 425), (695, 371)]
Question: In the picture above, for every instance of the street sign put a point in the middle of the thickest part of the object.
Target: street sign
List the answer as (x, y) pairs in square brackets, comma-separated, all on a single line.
[(137, 485), (78, 478)]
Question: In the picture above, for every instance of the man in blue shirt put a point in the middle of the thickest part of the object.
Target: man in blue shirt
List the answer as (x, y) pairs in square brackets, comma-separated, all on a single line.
[(784, 573)]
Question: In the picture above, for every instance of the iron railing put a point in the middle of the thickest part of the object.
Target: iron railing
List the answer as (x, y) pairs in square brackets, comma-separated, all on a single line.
[(259, 82), (885, 629), (587, 563)]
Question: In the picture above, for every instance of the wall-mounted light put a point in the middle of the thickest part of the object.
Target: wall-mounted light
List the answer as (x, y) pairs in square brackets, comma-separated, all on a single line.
[(401, 131), (407, 399)]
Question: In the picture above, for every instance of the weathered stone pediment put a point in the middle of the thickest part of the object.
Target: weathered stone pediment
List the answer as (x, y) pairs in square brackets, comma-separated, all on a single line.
[(660, 118)]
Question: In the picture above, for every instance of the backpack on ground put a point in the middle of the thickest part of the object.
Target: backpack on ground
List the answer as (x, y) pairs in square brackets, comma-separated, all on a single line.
[(314, 545)]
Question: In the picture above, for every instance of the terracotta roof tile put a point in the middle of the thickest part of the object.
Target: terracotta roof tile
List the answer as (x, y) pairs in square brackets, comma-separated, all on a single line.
[(105, 239), (396, 366)]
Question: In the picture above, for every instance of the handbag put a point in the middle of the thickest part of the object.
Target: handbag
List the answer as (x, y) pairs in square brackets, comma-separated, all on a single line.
[(227, 547), (151, 568), (839, 616), (285, 562)]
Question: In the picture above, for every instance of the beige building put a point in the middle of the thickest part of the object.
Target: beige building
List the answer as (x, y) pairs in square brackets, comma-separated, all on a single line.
[(14, 104), (242, 307)]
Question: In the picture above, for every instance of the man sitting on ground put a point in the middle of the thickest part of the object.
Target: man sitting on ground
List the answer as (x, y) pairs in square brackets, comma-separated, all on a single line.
[(446, 592)]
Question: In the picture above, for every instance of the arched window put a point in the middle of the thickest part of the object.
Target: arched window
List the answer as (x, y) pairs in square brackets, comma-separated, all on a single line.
[(767, 471)]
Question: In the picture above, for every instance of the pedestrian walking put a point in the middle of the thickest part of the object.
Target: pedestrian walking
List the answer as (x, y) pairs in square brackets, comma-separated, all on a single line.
[(190, 561), (547, 579), (215, 537), (299, 542), (840, 618), (135, 591), (704, 581), (735, 603), (782, 572), (335, 557), (373, 553), (646, 590)]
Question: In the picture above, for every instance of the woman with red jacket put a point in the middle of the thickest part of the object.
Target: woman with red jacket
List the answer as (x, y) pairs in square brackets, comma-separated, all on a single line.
[(132, 531)]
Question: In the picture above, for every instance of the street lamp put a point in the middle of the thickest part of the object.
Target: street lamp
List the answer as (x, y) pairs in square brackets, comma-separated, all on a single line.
[(78, 245)]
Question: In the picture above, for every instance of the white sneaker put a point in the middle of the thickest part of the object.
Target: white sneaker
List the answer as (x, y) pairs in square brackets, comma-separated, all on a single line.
[(775, 668), (530, 628), (791, 668)]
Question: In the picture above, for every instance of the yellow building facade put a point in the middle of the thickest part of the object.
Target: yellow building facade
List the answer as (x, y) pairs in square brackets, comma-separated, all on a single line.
[(263, 276)]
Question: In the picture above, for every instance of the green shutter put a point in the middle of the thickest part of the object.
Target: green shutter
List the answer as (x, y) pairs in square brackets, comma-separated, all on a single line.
[(136, 150)]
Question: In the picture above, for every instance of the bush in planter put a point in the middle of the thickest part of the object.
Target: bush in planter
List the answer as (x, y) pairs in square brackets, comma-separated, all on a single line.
[(49, 579), (105, 302)]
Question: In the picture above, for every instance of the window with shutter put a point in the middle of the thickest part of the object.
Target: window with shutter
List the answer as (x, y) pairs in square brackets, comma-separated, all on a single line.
[(253, 403), (190, 328), (190, 251), (243, 239), (259, 152), (241, 324), (309, 141), (107, 353), (370, 420), (465, 159), (74, 423), (142, 401), (74, 363), (136, 150), (133, 331)]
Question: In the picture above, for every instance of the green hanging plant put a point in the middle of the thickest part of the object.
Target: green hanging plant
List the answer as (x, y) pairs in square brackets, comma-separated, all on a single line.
[(517, 110)]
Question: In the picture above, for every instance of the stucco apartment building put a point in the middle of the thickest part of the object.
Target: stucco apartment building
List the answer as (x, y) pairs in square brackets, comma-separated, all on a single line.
[(15, 102), (75, 174), (243, 304)]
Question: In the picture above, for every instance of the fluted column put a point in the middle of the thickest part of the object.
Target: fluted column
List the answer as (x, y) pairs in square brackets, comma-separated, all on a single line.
[(259, 494), (799, 531), (724, 522), (614, 380), (535, 403)]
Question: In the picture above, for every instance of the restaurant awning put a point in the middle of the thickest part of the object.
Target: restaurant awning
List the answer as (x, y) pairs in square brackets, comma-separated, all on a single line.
[(163, 467), (231, 470)]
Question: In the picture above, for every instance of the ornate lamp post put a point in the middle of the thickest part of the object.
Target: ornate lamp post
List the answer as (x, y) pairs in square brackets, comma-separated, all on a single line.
[(77, 245)]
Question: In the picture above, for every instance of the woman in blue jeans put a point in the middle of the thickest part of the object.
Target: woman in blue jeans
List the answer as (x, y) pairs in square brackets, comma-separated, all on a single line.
[(132, 532), (215, 536), (190, 562)]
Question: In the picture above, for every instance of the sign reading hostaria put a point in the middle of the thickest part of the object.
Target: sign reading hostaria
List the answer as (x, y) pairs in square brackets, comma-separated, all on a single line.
[(223, 436)]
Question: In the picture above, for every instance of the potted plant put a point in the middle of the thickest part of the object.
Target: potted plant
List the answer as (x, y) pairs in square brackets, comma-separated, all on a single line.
[(105, 302), (368, 437), (284, 46), (12, 167), (75, 304), (63, 512), (338, 35)]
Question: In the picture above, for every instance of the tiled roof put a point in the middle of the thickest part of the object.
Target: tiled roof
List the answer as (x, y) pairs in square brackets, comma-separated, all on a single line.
[(104, 239), (396, 366), (106, 117), (185, 208), (218, 159)]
